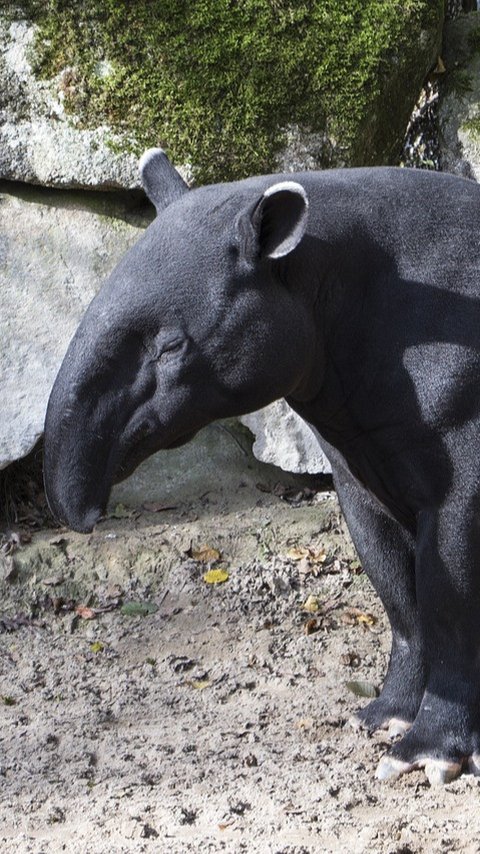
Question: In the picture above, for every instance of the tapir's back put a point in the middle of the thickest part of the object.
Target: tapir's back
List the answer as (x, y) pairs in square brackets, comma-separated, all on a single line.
[(429, 222)]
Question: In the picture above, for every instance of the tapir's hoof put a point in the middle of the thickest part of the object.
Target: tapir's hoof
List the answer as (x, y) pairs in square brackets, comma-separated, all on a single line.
[(391, 769), (397, 726), (392, 726), (474, 765), (437, 771)]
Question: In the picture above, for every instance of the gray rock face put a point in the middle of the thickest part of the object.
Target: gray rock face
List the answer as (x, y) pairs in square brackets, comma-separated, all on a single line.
[(285, 440), (459, 108), (54, 254), (39, 144)]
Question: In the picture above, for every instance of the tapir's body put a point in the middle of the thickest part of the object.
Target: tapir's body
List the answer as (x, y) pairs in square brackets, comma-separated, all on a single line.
[(365, 315)]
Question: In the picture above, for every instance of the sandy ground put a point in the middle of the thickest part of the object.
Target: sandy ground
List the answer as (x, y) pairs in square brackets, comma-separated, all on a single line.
[(217, 718)]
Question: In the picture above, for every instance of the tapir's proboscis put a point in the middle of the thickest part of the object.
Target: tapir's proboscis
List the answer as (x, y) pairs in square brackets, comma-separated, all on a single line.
[(355, 295)]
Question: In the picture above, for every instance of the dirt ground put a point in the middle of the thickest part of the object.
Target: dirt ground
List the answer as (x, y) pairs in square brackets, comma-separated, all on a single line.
[(215, 717)]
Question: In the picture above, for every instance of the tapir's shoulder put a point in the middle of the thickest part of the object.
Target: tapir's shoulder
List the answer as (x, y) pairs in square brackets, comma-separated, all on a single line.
[(403, 209)]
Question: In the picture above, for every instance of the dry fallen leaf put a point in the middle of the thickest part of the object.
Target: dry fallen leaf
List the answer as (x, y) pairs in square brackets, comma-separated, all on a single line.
[(199, 684), (53, 580), (311, 626), (216, 576), (305, 723), (312, 555), (362, 689), (350, 659), (121, 511), (138, 609), (355, 567), (298, 552), (205, 554), (156, 507), (85, 613)]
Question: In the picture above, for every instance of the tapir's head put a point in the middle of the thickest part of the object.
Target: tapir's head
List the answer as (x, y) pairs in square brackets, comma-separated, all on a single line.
[(202, 319)]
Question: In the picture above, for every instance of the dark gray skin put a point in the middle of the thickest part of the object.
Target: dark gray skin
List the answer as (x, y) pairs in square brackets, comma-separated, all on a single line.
[(354, 294)]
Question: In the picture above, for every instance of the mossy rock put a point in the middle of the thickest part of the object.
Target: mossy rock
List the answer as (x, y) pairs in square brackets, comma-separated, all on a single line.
[(219, 82), (459, 107)]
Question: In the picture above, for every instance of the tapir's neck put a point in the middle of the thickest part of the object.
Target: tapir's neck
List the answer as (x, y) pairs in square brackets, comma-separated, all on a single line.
[(329, 283), (351, 280)]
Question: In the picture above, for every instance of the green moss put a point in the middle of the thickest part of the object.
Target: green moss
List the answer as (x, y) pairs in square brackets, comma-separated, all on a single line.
[(214, 81), (473, 127), (457, 80), (474, 40)]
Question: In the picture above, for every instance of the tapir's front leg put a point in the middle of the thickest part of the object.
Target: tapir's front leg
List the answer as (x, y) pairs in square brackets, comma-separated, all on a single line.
[(445, 736), (387, 553)]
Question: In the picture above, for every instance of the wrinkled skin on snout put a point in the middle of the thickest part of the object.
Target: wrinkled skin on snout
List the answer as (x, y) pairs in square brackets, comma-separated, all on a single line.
[(355, 294), (191, 326)]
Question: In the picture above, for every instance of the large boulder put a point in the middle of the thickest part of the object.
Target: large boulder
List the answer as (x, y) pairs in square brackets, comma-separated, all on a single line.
[(232, 89), (55, 250), (39, 143), (459, 107), (285, 440)]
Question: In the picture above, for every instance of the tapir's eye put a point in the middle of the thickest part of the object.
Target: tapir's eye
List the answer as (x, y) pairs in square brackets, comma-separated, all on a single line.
[(172, 347), (163, 348)]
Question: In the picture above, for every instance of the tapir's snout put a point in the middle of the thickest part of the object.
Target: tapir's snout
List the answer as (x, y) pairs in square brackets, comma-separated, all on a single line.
[(74, 507), (75, 484), (88, 435), (105, 416)]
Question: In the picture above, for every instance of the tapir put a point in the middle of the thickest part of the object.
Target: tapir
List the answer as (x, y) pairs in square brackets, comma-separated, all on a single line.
[(355, 295)]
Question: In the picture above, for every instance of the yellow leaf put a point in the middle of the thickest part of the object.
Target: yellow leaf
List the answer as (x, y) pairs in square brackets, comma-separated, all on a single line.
[(199, 684), (311, 604), (355, 615), (366, 619), (97, 646), (216, 576)]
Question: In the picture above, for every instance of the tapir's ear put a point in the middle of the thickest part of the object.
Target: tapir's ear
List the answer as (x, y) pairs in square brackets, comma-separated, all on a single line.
[(160, 180), (277, 222)]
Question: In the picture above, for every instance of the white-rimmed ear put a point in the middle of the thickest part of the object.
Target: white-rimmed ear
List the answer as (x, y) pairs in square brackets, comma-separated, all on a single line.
[(276, 223), (160, 180)]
